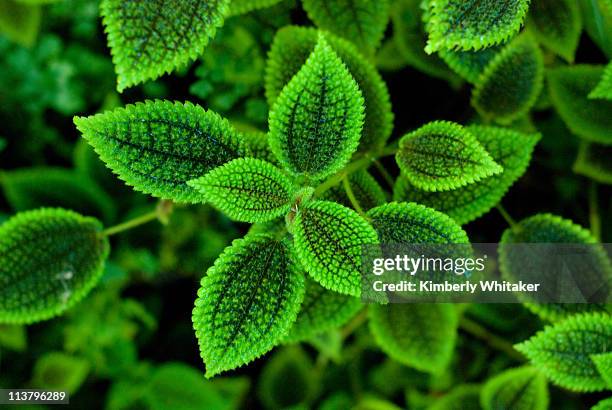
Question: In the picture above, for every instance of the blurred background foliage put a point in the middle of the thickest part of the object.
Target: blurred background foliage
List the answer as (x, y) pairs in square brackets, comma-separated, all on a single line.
[(130, 344)]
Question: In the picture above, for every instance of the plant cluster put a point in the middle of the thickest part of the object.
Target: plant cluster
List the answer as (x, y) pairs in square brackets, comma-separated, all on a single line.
[(296, 140)]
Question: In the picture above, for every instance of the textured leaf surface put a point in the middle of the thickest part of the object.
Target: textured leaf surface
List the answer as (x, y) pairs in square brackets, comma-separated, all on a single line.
[(248, 301), (557, 25), (257, 143), (49, 260), (603, 405), (442, 155), (247, 190), (523, 388), (290, 50), (413, 223), (158, 146), (603, 363), (406, 334), (153, 37), (473, 24), (244, 6), (511, 149), (466, 397), (322, 310), (31, 188), (316, 122), (604, 87), (20, 22), (563, 351), (367, 191), (547, 228), (362, 22), (569, 90), (594, 162), (469, 64), (510, 85), (287, 380), (328, 240)]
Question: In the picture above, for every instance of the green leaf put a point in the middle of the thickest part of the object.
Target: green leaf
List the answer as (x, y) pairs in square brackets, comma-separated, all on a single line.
[(287, 380), (404, 331), (594, 162), (413, 223), (60, 371), (322, 310), (362, 22), (466, 397), (367, 191), (473, 24), (290, 50), (328, 241), (247, 190), (563, 351), (512, 82), (604, 87), (244, 6), (409, 39), (149, 39), (557, 25), (442, 155), (605, 404), (20, 22), (257, 143), (158, 146), (316, 122), (31, 188), (597, 20), (509, 148), (469, 64), (523, 388), (603, 363), (547, 229), (248, 301), (13, 337), (569, 90), (49, 260)]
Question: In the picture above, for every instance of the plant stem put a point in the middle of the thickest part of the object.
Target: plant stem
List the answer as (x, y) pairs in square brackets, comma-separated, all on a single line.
[(385, 174), (351, 196), (351, 168), (354, 324), (492, 340), (161, 213), (594, 218), (506, 215)]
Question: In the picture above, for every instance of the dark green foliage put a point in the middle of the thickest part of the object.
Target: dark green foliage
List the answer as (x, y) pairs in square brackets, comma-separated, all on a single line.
[(367, 190), (248, 301), (322, 310), (522, 388), (473, 24), (547, 228), (316, 122), (511, 83), (362, 22), (292, 46), (328, 241), (257, 143), (557, 25), (158, 146), (569, 90), (19, 21), (405, 332), (563, 351), (49, 260), (59, 371), (413, 223), (287, 380), (245, 6), (594, 162), (150, 38), (604, 87), (466, 397), (441, 156), (469, 64), (510, 149), (32, 188), (247, 189)]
